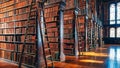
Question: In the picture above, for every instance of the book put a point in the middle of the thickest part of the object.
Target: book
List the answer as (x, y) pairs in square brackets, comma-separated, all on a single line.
[(13, 22)]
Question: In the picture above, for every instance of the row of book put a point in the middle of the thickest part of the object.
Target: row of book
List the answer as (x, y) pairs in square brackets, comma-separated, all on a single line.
[(51, 19), (68, 30), (5, 54), (17, 38), (51, 22), (8, 46), (5, 3), (6, 25), (9, 7), (55, 34), (51, 9), (7, 19), (20, 30), (53, 1), (12, 47), (13, 19), (8, 31), (7, 14), (6, 9), (70, 4), (69, 36), (21, 17), (21, 4), (30, 59), (69, 41), (21, 10)]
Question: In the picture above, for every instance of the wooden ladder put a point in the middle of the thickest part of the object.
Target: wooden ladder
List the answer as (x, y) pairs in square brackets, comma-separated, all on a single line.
[(46, 44), (30, 16)]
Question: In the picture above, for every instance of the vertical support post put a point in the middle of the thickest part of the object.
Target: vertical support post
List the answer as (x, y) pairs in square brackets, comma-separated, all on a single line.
[(99, 35), (86, 33), (61, 38), (38, 45), (86, 23), (91, 34), (39, 35), (75, 30)]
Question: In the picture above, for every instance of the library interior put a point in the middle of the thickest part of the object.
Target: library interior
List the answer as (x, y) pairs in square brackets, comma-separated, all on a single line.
[(59, 33)]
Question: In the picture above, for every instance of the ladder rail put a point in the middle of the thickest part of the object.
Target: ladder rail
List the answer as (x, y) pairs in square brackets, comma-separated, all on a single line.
[(47, 43), (41, 5), (27, 27)]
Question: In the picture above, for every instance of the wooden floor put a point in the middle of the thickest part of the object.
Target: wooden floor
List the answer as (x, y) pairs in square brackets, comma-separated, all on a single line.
[(4, 64), (105, 57)]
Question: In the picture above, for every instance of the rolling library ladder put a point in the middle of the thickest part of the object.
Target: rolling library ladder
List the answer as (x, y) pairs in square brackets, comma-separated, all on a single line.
[(45, 46)]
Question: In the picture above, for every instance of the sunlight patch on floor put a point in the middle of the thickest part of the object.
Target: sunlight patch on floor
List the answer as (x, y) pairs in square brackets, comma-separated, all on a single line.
[(91, 61), (95, 54)]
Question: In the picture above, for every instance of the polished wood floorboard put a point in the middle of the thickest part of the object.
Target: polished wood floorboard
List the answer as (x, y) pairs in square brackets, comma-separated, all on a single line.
[(105, 57), (4, 64)]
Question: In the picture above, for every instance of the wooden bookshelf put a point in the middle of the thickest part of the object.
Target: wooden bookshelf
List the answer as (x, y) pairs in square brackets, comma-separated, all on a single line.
[(54, 30), (14, 15), (51, 22), (70, 34), (69, 41), (81, 32)]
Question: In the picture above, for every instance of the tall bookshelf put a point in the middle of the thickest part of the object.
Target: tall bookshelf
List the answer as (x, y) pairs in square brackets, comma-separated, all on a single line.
[(87, 17), (83, 19), (70, 34), (69, 42), (53, 14), (14, 15), (89, 34), (81, 32)]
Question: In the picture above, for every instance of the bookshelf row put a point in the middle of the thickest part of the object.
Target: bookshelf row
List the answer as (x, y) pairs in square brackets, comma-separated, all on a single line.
[(13, 24), (52, 28)]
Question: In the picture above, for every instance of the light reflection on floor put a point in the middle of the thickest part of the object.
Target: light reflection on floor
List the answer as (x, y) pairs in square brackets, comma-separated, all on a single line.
[(114, 57), (106, 57), (95, 54), (92, 61)]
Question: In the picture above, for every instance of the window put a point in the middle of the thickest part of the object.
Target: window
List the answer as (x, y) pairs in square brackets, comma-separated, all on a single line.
[(112, 32), (112, 14), (115, 20), (118, 32), (118, 13)]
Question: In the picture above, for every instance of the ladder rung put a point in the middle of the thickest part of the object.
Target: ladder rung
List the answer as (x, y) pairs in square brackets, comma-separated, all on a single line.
[(50, 62), (47, 48), (49, 28), (29, 39), (80, 47), (33, 4), (68, 48), (48, 56), (47, 42), (46, 35), (44, 28), (33, 10), (32, 15)]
